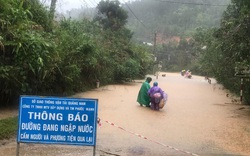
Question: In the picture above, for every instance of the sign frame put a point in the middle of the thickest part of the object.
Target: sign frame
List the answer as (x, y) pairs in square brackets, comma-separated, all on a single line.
[(57, 120)]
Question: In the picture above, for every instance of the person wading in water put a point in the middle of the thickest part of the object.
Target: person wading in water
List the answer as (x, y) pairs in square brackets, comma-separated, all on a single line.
[(156, 95), (143, 98)]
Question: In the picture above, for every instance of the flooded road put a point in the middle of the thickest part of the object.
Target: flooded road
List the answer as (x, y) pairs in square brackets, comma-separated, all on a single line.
[(199, 119)]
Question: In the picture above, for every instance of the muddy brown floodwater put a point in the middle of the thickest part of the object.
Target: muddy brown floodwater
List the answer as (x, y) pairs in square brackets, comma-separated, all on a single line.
[(199, 119)]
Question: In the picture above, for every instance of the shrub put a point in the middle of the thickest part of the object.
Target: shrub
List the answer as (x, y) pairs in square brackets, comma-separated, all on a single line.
[(8, 127)]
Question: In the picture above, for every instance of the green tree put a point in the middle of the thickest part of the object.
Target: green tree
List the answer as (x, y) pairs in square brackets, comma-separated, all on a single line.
[(39, 14), (27, 55), (66, 60), (227, 47), (110, 15), (234, 36)]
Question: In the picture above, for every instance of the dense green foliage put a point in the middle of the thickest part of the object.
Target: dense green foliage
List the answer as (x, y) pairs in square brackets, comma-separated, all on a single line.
[(228, 48), (38, 58), (25, 53), (8, 127), (175, 56)]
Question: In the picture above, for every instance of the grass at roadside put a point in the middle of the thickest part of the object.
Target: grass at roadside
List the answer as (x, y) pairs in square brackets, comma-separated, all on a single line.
[(8, 127)]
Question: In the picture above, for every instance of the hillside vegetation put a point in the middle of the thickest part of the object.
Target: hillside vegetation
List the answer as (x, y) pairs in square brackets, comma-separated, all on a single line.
[(210, 38), (43, 56), (173, 18)]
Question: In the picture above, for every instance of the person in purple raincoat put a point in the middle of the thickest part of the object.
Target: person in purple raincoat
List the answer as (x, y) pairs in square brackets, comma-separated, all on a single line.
[(156, 94)]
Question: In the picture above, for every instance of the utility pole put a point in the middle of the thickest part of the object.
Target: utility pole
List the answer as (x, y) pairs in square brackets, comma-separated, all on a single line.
[(155, 43), (154, 52)]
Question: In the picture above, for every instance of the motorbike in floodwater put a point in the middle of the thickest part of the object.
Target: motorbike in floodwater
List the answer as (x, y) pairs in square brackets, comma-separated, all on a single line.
[(188, 74)]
